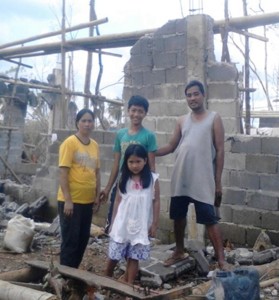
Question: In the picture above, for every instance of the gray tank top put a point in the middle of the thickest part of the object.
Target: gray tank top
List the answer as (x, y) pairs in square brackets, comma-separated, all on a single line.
[(194, 168)]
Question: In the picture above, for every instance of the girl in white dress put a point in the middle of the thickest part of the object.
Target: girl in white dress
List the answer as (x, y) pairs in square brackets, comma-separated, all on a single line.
[(135, 214)]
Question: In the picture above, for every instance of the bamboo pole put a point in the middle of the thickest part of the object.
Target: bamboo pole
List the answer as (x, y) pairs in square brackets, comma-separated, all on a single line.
[(53, 33), (129, 38), (49, 89)]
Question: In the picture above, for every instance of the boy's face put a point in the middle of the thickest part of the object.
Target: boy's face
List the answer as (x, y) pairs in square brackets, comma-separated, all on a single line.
[(136, 114)]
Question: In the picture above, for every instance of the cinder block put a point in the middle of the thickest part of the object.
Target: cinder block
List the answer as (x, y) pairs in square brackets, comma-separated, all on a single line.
[(235, 161), (252, 235), (106, 152), (262, 163), (246, 216), (176, 75), (226, 213), (166, 124), (222, 90), (150, 123), (270, 220), (165, 187), (263, 200), (270, 145), (231, 125), (234, 196), (168, 91), (164, 60), (138, 60), (157, 76), (244, 180), (222, 72), (269, 182), (235, 233), (229, 108), (146, 91), (137, 78), (246, 144), (174, 43), (274, 236)]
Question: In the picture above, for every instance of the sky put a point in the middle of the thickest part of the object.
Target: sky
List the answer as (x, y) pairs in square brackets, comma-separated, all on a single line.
[(25, 18)]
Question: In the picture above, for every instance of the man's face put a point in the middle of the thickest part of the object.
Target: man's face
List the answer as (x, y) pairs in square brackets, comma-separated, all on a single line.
[(136, 114), (195, 98)]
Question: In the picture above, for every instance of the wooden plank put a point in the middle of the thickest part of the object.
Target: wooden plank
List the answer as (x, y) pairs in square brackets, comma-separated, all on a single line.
[(92, 279), (108, 283)]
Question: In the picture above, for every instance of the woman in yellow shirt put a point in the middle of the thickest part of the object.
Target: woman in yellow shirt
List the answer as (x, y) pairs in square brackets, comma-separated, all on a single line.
[(79, 165)]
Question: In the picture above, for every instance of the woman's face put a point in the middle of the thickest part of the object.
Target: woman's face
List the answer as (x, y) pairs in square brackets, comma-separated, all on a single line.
[(85, 124)]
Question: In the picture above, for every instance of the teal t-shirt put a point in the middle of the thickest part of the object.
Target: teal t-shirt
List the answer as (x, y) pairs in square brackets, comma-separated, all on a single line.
[(144, 137)]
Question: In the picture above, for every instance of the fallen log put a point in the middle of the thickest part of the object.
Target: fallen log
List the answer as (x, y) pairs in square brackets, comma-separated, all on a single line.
[(10, 291), (23, 275)]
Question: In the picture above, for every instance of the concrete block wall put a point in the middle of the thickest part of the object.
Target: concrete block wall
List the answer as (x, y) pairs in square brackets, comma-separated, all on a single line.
[(250, 186), (10, 149)]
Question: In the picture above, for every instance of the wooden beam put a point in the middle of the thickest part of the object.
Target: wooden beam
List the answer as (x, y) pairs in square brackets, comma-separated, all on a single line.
[(129, 38), (53, 33)]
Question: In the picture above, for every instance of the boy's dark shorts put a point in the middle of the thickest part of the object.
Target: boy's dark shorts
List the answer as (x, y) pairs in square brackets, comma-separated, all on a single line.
[(205, 213)]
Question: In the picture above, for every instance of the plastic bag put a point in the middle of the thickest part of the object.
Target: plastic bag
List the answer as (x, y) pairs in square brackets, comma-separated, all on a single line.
[(19, 234)]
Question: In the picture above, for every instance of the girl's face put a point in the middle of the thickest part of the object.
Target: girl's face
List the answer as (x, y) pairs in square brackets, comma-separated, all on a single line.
[(136, 164), (85, 124)]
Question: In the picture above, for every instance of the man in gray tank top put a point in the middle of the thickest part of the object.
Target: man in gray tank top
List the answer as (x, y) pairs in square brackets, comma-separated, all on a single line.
[(198, 139)]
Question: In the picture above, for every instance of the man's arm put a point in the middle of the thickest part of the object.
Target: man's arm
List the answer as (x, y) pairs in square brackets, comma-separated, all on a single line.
[(173, 142), (151, 161), (112, 178), (219, 140)]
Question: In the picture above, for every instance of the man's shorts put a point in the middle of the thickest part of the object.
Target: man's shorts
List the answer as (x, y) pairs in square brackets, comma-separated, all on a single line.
[(119, 251), (205, 213)]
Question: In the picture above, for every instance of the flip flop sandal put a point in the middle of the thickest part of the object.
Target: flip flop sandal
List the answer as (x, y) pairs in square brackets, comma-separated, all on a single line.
[(173, 260)]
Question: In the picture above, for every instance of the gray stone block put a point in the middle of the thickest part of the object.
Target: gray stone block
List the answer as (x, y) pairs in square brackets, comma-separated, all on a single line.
[(231, 125), (222, 72), (166, 124), (235, 161), (154, 77), (252, 235), (234, 196), (244, 180), (139, 61), (175, 43), (270, 220), (168, 91), (269, 182), (246, 216), (246, 144), (270, 145), (222, 90), (235, 233), (229, 108), (226, 213), (176, 75), (262, 163), (263, 200), (164, 60)]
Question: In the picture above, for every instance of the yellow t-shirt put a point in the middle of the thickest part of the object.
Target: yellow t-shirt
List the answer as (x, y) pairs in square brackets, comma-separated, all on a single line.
[(83, 161)]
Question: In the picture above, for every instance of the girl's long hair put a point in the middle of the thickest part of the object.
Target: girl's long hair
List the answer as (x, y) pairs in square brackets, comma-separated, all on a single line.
[(145, 174)]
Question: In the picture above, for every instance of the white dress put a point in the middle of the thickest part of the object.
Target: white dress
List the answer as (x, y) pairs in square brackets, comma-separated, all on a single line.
[(134, 215)]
